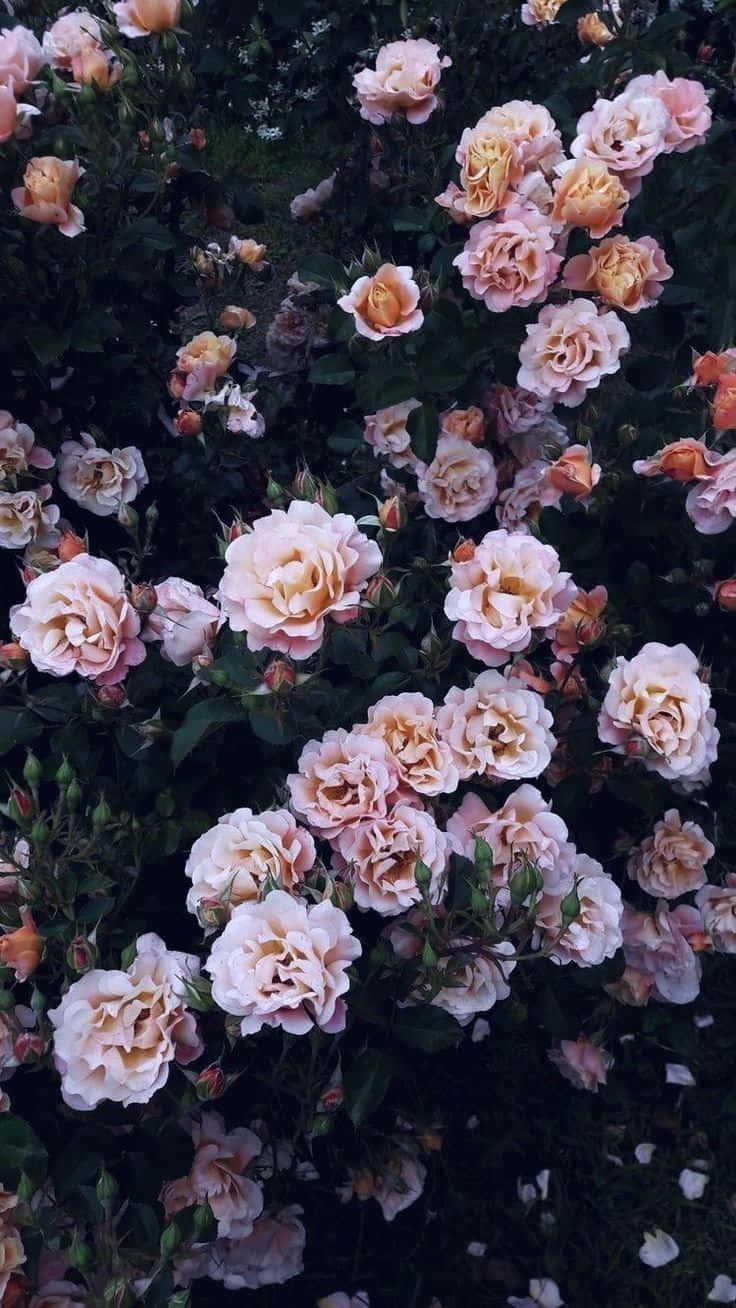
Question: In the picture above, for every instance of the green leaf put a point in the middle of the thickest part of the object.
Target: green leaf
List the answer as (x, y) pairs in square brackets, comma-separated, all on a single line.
[(423, 425), (322, 269), (17, 727), (47, 345), (428, 1029), (366, 1083), (332, 370), (271, 726), (20, 1149), (200, 722)]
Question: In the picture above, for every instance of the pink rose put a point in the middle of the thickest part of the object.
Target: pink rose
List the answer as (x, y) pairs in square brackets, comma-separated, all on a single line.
[(235, 861), (460, 483), (217, 1178), (671, 861), (477, 978), (718, 907), (289, 573), (509, 262), (532, 129), (657, 699), (404, 81), (21, 57), (516, 411), (386, 304), (659, 958), (283, 962), (711, 504), (46, 194), (582, 1063), (183, 621), (13, 116), (270, 1255), (569, 349), (686, 102), (146, 17), (407, 726), (381, 854), (78, 618), (117, 1033), (68, 36), (18, 450), (470, 424), (510, 588), (239, 413), (627, 134), (100, 480), (524, 827), (342, 1300), (25, 517), (626, 274), (580, 625), (386, 431), (496, 729), (343, 779)]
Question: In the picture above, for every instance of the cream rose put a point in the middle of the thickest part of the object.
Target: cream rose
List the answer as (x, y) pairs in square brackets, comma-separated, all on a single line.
[(117, 1033), (183, 621), (387, 433), (626, 274), (511, 587), (68, 36), (342, 779), (594, 934), (532, 129), (523, 828), (469, 424), (718, 907), (404, 81), (660, 961), (406, 724), (78, 618), (381, 854), (217, 1177), (46, 194), (100, 480), (540, 13), (270, 1255), (627, 134), (235, 861), (284, 963), (711, 504), (146, 17), (386, 304), (656, 700), (26, 516), (588, 195), (569, 349), (292, 571), (12, 1253), (479, 978), (18, 449), (460, 483), (671, 861), (497, 729)]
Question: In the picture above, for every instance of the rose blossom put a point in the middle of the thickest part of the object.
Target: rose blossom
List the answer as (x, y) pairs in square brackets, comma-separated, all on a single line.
[(22, 948), (100, 480), (580, 624), (711, 504), (582, 1063), (13, 115), (479, 979), (460, 483), (202, 360), (387, 433), (395, 1187), (524, 827), (216, 1177), (183, 621), (660, 961), (46, 194), (248, 251), (540, 13), (718, 907), (569, 349), (519, 503), (627, 134), (573, 474), (671, 861), (594, 934), (21, 57), (313, 200), (239, 412), (724, 403), (658, 699), (626, 274), (509, 262), (342, 779), (386, 304), (532, 129), (18, 450), (470, 424), (78, 618), (270, 1255), (382, 854), (68, 36), (511, 587), (245, 852), (404, 81), (144, 17), (496, 729), (516, 411), (686, 102), (116, 1033), (25, 516), (588, 194), (593, 31), (684, 460), (282, 962), (490, 166), (406, 724), (289, 573), (708, 368), (59, 1294)]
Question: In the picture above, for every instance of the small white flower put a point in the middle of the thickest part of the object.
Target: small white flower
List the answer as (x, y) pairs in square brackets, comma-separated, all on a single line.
[(658, 1248), (476, 1249), (724, 1290), (472, 1123), (678, 1074), (692, 1183), (542, 1294), (481, 1030), (643, 1153), (702, 1020), (542, 1180)]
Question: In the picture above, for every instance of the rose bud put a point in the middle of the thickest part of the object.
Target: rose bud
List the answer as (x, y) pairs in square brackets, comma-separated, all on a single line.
[(237, 530), (12, 655), (342, 895), (683, 460), (279, 676), (573, 473), (81, 955), (197, 138), (211, 914), (211, 1082), (21, 949), (331, 1099), (111, 697), (392, 514), (704, 52), (143, 598), (251, 253), (380, 592), (188, 423), (725, 595), (172, 172), (20, 804), (593, 31), (636, 747), (70, 545), (304, 485), (28, 1047), (177, 382), (235, 318), (708, 368), (464, 551)]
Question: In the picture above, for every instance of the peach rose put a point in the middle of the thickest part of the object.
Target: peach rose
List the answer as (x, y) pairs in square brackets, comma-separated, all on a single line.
[(26, 516), (46, 194), (248, 251), (627, 134), (683, 460), (477, 978), (660, 962), (117, 1033), (580, 624), (686, 102), (509, 262), (404, 81), (524, 827), (540, 13), (510, 588), (582, 1063), (100, 480), (532, 129), (490, 166), (572, 474), (217, 1177), (183, 621), (282, 962), (626, 274), (342, 779), (21, 949), (68, 36), (588, 194), (452, 199), (312, 201), (496, 729), (13, 116), (381, 854), (718, 907), (78, 618), (594, 934), (724, 403), (658, 700), (94, 65), (711, 504), (18, 449), (569, 349), (406, 724), (469, 424), (708, 368), (21, 57), (386, 304), (387, 433), (203, 360), (671, 861), (460, 483), (245, 854), (292, 571), (146, 17), (593, 31)]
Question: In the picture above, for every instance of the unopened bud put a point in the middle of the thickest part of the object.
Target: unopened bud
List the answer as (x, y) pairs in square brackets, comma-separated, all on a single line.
[(39, 834), (101, 814), (422, 874), (20, 805), (464, 551), (13, 656), (197, 138), (106, 1188), (188, 422), (64, 773), (725, 595), (79, 1254), (28, 1047), (635, 747), (392, 514), (170, 1240), (429, 957), (237, 530), (304, 485), (236, 318), (26, 1188), (342, 895), (143, 598), (326, 497), (211, 1082), (70, 546), (569, 907), (32, 770), (81, 955), (118, 1294), (525, 884), (380, 592), (111, 697), (211, 914), (128, 517), (275, 493), (279, 676), (73, 795)]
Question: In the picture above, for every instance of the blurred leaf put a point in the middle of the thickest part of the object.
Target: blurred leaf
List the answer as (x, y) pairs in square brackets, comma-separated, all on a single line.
[(200, 722), (366, 1082), (427, 1028), (17, 727)]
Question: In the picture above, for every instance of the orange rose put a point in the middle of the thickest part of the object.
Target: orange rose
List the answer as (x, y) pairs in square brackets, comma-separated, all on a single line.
[(46, 194), (587, 195), (708, 368), (234, 318), (469, 424), (572, 474), (684, 460), (490, 165), (724, 404), (22, 949), (626, 274), (93, 64), (593, 31)]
